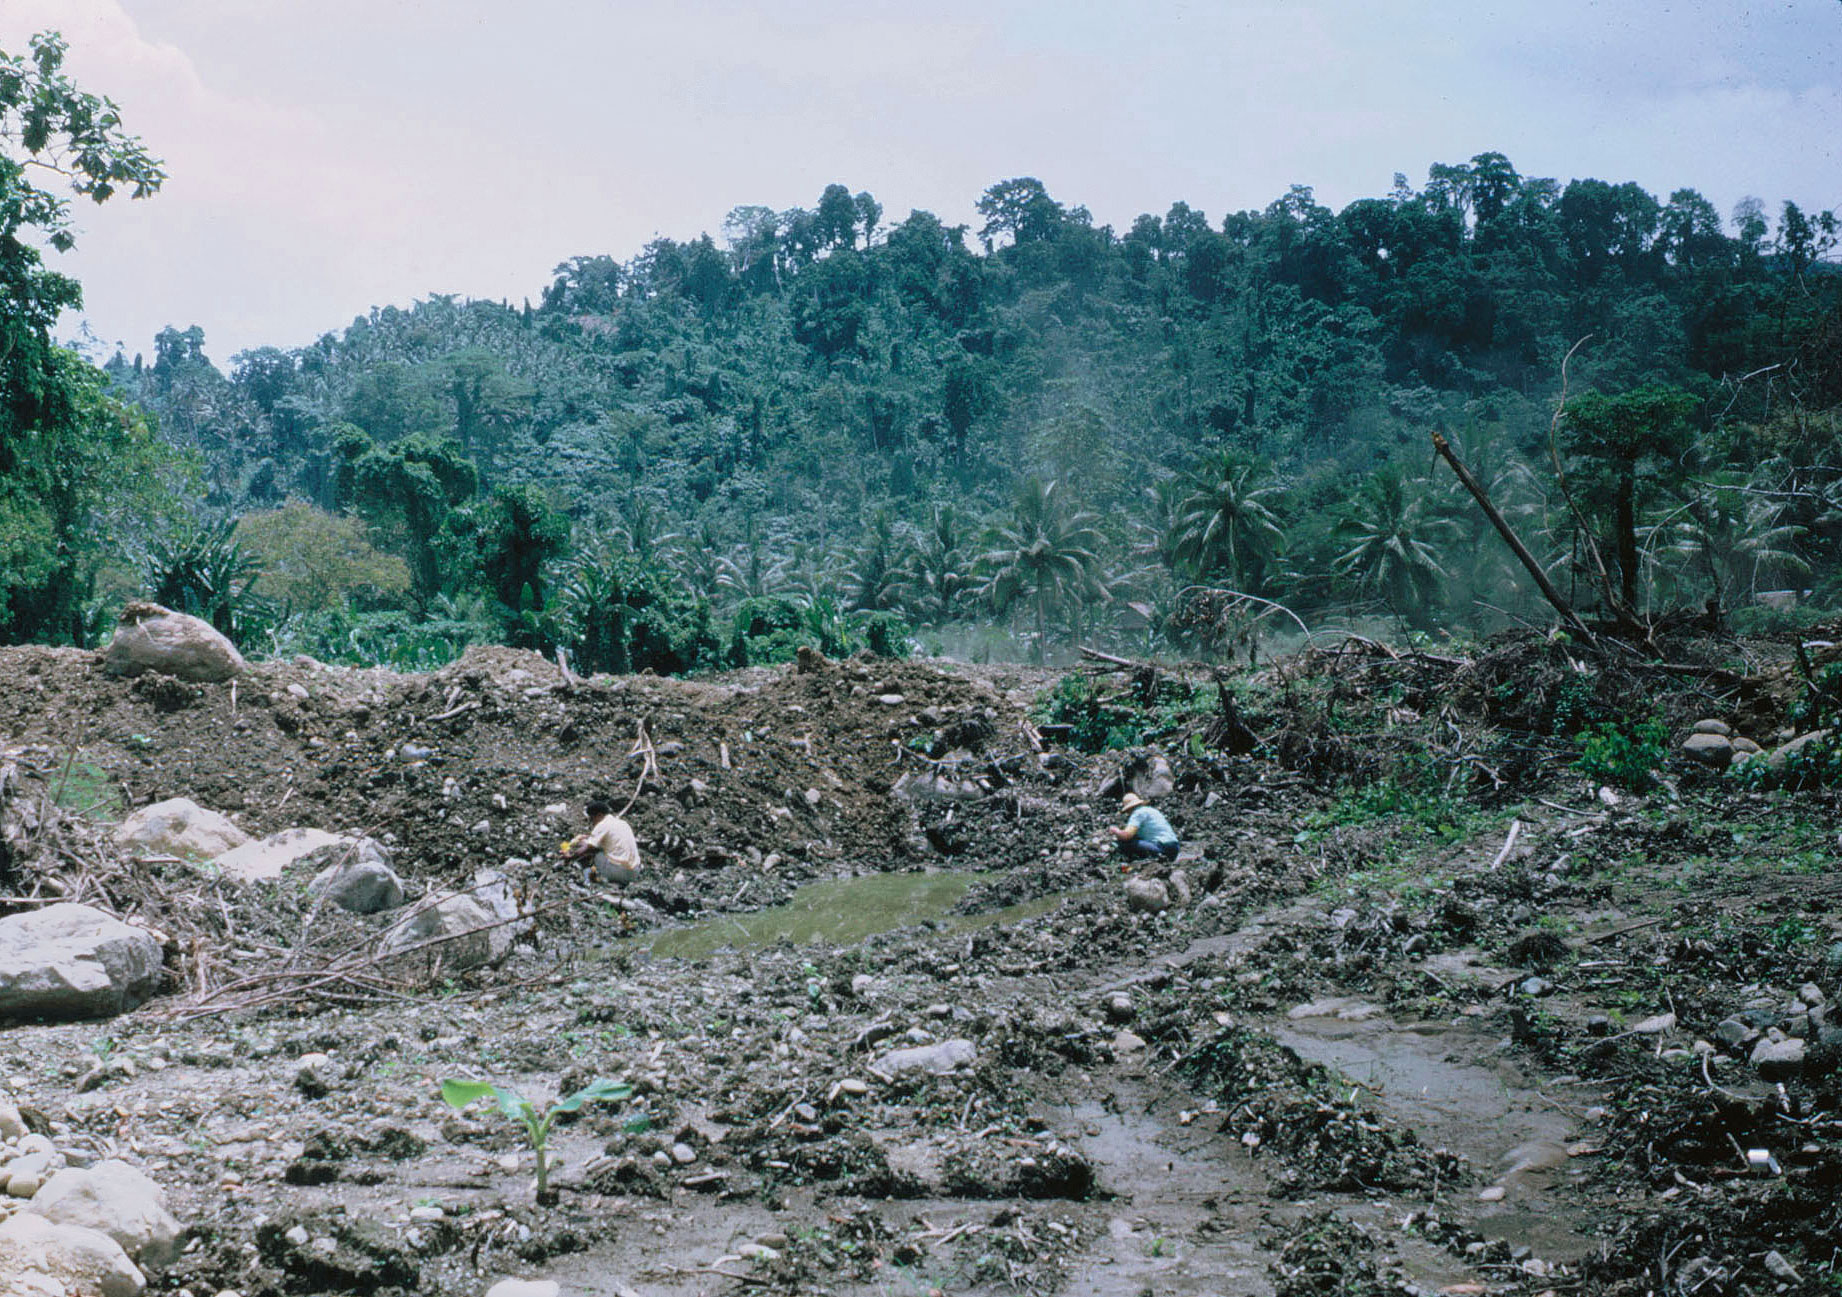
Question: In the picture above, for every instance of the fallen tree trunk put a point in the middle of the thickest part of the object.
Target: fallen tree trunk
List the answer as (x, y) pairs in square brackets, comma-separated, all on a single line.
[(1509, 536)]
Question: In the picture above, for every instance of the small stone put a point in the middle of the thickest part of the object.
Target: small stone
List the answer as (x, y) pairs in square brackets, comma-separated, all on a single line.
[(1714, 727), (1119, 1007), (861, 984), (427, 1214), (683, 1154), (299, 691), (1656, 1026), (757, 1252), (298, 1235), (1778, 1059), (851, 1085), (1779, 1268), (891, 700), (1128, 1042), (24, 1184), (1535, 987), (313, 1075), (1733, 1033), (1811, 994)]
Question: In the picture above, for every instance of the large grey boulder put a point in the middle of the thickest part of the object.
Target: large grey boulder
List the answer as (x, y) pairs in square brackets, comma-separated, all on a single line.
[(267, 859), (149, 637), (73, 961), (39, 1258), (179, 826), (1147, 895), (114, 1198), (474, 927), (1785, 751), (366, 886), (1714, 750)]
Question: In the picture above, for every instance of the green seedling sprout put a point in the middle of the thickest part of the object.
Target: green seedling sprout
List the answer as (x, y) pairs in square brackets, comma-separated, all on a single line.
[(461, 1094)]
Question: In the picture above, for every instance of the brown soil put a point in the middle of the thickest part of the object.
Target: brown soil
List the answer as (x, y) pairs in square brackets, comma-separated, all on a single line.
[(1304, 1081)]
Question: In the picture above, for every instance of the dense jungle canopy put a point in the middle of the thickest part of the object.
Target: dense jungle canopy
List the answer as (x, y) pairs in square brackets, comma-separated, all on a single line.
[(833, 426)]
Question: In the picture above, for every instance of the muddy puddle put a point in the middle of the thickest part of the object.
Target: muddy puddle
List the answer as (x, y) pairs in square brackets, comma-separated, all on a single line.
[(1456, 1088), (841, 912)]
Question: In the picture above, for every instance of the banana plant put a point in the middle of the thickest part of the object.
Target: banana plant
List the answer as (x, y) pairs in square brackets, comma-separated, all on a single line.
[(459, 1094)]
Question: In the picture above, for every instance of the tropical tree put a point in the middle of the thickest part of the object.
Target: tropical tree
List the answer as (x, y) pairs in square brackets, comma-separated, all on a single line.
[(1395, 535), (1629, 445), (65, 445), (1226, 525), (936, 574), (1735, 536), (1042, 558)]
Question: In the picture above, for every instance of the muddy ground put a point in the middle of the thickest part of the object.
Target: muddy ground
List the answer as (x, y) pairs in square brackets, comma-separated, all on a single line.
[(1441, 1014)]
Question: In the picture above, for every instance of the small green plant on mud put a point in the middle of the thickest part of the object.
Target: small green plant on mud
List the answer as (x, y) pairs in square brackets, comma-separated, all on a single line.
[(1095, 724), (1395, 799), (459, 1094), (1628, 755)]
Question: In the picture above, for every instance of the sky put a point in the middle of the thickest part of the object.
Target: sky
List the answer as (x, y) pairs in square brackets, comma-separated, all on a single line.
[(328, 156)]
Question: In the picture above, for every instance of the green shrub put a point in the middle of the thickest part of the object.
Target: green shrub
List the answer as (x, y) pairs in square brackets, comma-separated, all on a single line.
[(1095, 725), (1628, 755)]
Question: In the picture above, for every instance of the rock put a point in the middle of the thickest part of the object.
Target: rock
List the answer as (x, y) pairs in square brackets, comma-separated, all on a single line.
[(314, 1075), (481, 924), (1155, 781), (683, 1154), (151, 638), (264, 860), (861, 985), (115, 1199), (1656, 1026), (1743, 746), (1127, 1042), (1179, 884), (1536, 986), (12, 1125), (1779, 1268), (72, 961), (1733, 1033), (81, 1260), (939, 1059), (1785, 751), (1778, 1059), (359, 886), (1119, 1007), (1713, 750), (1811, 994), (1147, 895), (1342, 1008), (525, 1288), (179, 826), (427, 1214), (1713, 727), (1495, 1193)]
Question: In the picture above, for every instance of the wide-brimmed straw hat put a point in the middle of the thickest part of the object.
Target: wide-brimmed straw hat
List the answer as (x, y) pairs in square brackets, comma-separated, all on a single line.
[(1131, 801)]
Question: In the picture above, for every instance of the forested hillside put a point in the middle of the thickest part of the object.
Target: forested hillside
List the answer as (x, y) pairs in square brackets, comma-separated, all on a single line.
[(832, 426)]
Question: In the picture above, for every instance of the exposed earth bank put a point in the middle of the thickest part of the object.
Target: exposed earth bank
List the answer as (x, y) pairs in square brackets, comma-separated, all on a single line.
[(1426, 1009)]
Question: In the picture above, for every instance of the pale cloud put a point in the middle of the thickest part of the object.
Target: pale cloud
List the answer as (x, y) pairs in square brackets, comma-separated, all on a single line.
[(329, 156)]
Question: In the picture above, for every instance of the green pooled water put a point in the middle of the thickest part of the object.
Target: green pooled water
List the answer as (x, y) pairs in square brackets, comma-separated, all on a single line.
[(840, 912)]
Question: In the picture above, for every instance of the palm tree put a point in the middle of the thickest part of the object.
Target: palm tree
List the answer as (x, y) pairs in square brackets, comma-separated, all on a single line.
[(746, 571), (1226, 525), (1396, 535), (1042, 557), (936, 573), (875, 578), (1738, 537)]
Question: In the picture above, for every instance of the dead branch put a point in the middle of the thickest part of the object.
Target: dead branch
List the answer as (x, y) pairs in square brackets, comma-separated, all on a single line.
[(1510, 538)]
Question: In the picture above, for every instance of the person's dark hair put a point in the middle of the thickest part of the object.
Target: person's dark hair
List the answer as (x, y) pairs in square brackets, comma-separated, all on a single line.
[(599, 809)]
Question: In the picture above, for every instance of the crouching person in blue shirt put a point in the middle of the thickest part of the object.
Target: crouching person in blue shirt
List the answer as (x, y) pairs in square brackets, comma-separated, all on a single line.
[(1146, 834)]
